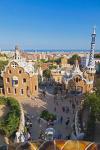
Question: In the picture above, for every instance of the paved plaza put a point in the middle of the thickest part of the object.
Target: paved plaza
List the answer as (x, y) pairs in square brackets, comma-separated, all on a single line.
[(62, 105)]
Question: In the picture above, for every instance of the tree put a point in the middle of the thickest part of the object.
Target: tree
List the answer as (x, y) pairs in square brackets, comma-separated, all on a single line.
[(93, 102), (52, 67), (58, 60), (47, 73), (73, 59), (3, 64), (10, 123), (97, 55)]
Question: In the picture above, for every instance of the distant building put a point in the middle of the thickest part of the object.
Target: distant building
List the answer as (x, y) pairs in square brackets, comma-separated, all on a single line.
[(64, 61), (20, 77)]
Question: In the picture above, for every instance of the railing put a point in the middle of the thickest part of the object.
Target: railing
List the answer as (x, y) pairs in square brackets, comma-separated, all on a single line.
[(78, 129)]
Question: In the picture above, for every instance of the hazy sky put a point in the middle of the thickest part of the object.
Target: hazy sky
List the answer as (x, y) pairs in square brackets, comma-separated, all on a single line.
[(49, 24)]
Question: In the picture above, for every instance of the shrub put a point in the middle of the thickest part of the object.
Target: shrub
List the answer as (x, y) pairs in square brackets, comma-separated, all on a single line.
[(47, 116), (10, 123)]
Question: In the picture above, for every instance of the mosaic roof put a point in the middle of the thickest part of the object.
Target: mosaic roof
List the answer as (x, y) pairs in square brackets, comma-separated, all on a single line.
[(56, 145)]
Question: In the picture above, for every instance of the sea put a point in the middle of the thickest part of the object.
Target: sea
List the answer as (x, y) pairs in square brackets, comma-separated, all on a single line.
[(54, 50), (60, 51)]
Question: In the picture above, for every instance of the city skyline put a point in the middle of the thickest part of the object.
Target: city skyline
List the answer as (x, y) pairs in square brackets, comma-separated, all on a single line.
[(50, 24)]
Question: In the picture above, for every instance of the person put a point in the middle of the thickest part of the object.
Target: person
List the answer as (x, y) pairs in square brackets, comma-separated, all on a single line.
[(63, 109), (60, 135), (61, 119), (68, 137), (67, 122), (55, 109)]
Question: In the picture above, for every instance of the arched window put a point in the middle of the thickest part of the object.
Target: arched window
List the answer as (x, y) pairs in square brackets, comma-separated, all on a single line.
[(24, 80), (35, 87), (20, 71), (9, 71), (77, 79)]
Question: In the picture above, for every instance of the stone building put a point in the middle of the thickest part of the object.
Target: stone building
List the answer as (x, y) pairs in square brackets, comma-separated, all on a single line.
[(20, 77)]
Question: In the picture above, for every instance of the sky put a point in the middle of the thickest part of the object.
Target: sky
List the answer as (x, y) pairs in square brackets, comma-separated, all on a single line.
[(49, 24)]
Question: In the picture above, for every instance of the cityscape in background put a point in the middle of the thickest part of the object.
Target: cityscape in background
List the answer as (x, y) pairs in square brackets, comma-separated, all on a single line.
[(49, 75)]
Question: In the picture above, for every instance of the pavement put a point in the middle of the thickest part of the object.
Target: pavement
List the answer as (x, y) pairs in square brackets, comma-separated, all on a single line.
[(58, 107)]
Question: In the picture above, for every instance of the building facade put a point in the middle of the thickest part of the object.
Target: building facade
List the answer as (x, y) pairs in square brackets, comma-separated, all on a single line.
[(20, 77), (82, 81)]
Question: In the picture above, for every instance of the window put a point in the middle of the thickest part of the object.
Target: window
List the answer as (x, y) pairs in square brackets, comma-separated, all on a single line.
[(8, 80), (9, 71), (15, 81), (14, 65), (9, 91), (22, 91), (20, 71), (24, 80), (15, 91), (76, 79), (35, 87)]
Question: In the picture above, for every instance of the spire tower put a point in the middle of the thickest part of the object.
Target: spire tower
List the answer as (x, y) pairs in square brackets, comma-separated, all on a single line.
[(91, 62)]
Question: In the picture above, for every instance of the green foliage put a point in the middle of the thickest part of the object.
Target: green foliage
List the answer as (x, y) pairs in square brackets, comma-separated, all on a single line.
[(73, 59), (10, 123), (3, 64), (42, 60), (58, 60), (97, 55), (52, 67), (97, 83), (90, 128), (92, 102), (47, 73), (47, 116)]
